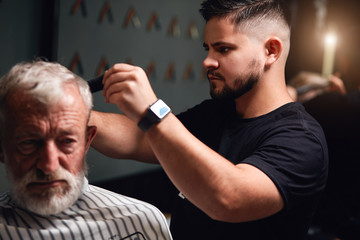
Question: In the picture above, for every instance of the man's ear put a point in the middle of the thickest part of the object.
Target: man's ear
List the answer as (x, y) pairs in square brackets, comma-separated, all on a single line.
[(90, 134), (274, 48)]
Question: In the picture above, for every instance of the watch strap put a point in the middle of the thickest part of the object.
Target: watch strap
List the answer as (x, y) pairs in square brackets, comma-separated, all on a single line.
[(151, 117)]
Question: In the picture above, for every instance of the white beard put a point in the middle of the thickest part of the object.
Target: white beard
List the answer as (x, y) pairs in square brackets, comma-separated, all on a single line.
[(52, 201)]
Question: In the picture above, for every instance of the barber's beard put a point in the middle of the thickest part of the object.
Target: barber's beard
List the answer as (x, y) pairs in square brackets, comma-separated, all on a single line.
[(52, 201), (241, 84)]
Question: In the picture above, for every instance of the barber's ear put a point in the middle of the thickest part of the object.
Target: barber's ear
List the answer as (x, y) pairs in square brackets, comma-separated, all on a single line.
[(274, 48), (90, 134)]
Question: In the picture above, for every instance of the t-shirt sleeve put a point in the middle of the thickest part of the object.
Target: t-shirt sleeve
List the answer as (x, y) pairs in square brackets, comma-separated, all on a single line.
[(296, 161)]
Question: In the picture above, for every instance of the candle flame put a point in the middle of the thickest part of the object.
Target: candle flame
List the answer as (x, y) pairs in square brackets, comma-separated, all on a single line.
[(330, 39)]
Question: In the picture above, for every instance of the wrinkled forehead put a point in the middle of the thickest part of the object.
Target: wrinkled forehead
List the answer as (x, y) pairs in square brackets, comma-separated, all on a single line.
[(32, 95), (21, 102)]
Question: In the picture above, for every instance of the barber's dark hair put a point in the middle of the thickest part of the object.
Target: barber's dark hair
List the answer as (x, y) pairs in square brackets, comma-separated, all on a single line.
[(239, 11)]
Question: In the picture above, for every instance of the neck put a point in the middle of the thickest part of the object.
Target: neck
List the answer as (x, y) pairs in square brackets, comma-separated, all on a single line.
[(269, 94)]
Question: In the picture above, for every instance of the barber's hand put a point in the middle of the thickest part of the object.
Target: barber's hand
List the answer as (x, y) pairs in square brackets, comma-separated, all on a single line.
[(128, 87)]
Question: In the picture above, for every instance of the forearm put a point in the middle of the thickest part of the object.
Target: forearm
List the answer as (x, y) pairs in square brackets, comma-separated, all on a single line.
[(119, 137)]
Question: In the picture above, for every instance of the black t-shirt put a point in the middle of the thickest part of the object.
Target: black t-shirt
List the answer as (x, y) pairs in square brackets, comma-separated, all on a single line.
[(287, 144)]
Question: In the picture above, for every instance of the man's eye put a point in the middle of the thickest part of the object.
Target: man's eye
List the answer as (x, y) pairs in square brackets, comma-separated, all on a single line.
[(28, 146), (224, 49), (67, 141), (67, 145)]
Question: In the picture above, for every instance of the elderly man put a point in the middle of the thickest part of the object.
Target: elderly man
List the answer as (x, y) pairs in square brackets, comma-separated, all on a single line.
[(44, 113)]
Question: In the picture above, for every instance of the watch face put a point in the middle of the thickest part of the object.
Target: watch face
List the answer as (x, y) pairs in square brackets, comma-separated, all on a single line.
[(160, 109)]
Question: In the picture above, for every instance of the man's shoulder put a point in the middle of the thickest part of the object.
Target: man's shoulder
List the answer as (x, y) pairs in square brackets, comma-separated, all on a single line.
[(109, 198), (121, 206), (296, 113)]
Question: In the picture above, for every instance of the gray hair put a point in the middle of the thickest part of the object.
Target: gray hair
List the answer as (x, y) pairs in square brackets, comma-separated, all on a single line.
[(44, 81)]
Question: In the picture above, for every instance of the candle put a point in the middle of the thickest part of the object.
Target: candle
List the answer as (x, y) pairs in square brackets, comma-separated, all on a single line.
[(329, 55)]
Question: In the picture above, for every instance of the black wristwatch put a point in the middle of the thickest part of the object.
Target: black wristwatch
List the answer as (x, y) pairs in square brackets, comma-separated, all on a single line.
[(155, 113)]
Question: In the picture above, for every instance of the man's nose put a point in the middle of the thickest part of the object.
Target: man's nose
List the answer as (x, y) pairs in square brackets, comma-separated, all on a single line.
[(210, 63), (49, 158)]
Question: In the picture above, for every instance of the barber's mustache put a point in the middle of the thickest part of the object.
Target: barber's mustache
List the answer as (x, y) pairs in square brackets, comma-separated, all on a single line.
[(213, 73)]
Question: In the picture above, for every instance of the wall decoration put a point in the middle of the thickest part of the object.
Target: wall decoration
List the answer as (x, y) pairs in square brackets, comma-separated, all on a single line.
[(189, 73), (131, 17), (151, 71), (170, 72), (203, 75), (106, 11), (103, 66), (174, 28), (76, 65), (192, 31), (77, 4), (153, 22)]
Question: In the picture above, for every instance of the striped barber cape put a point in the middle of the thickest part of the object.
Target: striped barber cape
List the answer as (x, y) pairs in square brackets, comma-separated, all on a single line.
[(97, 214)]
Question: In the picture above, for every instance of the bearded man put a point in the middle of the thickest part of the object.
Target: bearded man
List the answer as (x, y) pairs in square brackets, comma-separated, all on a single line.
[(250, 163), (44, 114)]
